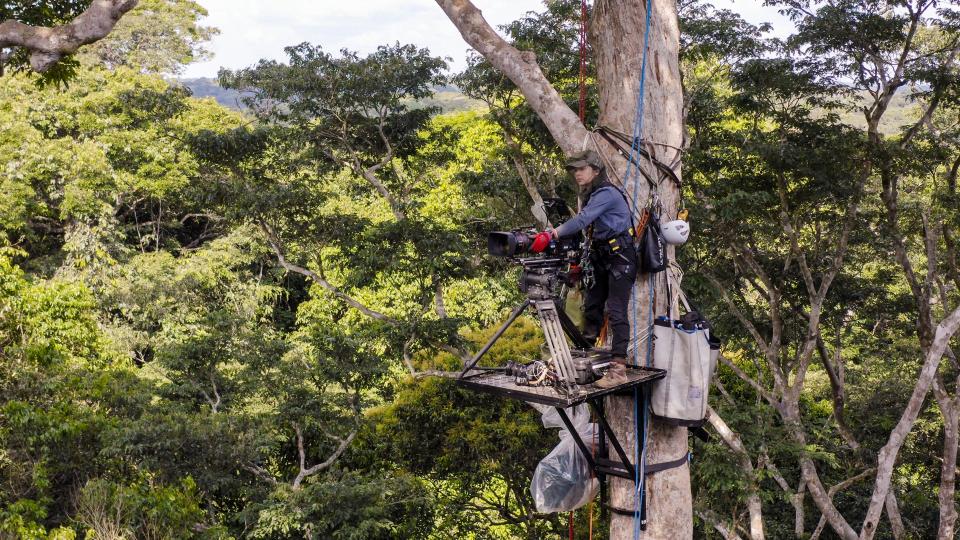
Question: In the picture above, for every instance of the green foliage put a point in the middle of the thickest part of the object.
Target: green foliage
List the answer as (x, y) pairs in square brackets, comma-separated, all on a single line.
[(42, 14), (473, 450), (164, 374), (351, 507), (157, 36), (142, 509)]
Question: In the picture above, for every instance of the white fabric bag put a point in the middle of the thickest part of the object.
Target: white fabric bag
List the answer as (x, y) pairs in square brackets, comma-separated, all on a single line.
[(687, 351)]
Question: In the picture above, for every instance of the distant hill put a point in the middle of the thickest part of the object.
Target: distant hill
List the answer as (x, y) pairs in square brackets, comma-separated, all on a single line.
[(900, 112), (448, 98), (208, 87)]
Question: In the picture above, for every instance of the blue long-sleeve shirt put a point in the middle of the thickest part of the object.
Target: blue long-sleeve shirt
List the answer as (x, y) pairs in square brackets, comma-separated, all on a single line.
[(607, 208)]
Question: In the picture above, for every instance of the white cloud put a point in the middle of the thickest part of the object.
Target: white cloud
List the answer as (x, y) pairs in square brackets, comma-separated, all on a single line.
[(255, 29)]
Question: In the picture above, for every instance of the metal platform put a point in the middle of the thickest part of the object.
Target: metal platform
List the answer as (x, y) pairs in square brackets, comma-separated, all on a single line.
[(498, 383), (494, 382)]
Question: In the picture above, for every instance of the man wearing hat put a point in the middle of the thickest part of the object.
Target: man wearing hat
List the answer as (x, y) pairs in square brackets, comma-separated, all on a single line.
[(613, 256)]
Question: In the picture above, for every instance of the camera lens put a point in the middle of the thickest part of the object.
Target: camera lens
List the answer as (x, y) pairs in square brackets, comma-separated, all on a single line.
[(508, 243)]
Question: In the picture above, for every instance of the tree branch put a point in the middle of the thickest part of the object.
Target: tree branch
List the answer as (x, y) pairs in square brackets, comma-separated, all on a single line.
[(888, 454), (277, 247), (304, 471), (522, 68), (47, 45), (732, 440), (737, 312), (260, 473), (749, 380), (726, 532), (833, 491)]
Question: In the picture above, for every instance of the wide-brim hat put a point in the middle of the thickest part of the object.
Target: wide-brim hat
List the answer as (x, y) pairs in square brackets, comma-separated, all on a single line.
[(584, 158)]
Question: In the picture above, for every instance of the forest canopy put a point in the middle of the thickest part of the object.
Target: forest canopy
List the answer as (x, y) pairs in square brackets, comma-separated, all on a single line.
[(220, 323)]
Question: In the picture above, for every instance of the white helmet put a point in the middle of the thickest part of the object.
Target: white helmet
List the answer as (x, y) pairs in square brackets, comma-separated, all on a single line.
[(675, 232)]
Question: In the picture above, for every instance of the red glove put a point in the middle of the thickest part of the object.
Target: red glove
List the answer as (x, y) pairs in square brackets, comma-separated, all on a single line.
[(540, 242)]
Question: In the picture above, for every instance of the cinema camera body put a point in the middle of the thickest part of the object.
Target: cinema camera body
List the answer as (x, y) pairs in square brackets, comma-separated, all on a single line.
[(545, 278), (545, 273)]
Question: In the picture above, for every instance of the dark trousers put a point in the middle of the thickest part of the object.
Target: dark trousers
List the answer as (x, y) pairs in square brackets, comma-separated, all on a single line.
[(615, 274)]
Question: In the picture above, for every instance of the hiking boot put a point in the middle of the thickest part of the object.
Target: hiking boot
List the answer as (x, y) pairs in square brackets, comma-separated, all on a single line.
[(615, 376)]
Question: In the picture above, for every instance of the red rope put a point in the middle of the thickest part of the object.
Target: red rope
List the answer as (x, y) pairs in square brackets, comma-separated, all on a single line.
[(583, 59), (570, 522)]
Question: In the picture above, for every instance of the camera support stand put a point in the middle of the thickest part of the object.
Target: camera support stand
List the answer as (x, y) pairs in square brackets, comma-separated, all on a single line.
[(540, 280), (555, 324)]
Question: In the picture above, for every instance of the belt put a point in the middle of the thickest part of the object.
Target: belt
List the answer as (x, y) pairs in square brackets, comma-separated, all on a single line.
[(615, 243)]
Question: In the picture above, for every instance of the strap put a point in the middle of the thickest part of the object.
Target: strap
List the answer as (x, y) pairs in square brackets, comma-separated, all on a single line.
[(626, 155), (618, 510), (665, 169), (658, 467), (674, 278)]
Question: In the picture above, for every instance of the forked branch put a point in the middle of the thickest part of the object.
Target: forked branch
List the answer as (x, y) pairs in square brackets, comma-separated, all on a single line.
[(47, 45)]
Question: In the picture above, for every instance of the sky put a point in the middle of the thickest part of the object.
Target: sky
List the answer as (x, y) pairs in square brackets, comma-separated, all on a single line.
[(255, 29)]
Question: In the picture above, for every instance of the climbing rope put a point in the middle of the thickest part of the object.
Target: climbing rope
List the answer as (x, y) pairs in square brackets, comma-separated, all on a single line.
[(633, 172), (583, 59)]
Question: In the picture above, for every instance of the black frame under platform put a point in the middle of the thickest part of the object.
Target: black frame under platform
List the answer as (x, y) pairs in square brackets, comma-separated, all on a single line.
[(501, 384)]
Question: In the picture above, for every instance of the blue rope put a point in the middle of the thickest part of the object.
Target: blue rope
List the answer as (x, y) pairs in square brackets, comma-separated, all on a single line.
[(633, 173), (642, 468)]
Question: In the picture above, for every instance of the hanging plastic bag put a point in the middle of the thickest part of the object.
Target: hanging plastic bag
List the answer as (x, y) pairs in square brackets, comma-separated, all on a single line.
[(563, 480)]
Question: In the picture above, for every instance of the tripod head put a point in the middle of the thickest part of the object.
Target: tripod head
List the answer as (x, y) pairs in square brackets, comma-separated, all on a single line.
[(545, 278)]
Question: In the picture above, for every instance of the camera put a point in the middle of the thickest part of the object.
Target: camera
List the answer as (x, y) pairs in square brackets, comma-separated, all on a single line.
[(517, 243)]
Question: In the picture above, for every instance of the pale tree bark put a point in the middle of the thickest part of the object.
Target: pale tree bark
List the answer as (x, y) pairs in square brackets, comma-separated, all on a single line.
[(950, 409), (888, 454), (617, 36), (728, 533), (305, 471), (522, 68), (47, 45), (833, 491), (732, 440), (796, 497)]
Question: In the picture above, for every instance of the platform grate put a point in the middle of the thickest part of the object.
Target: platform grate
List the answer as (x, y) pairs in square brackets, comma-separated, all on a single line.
[(498, 383)]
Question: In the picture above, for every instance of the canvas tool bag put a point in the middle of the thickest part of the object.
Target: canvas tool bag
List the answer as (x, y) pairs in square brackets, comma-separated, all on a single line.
[(685, 348)]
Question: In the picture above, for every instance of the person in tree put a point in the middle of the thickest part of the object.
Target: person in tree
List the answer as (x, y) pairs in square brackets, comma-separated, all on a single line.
[(608, 220)]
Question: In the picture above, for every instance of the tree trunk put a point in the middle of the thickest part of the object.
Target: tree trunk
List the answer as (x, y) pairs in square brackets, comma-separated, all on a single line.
[(616, 31), (950, 409), (617, 34)]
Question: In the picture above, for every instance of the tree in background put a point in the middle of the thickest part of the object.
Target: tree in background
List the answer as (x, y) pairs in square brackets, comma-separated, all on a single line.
[(42, 36), (157, 36), (831, 291)]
